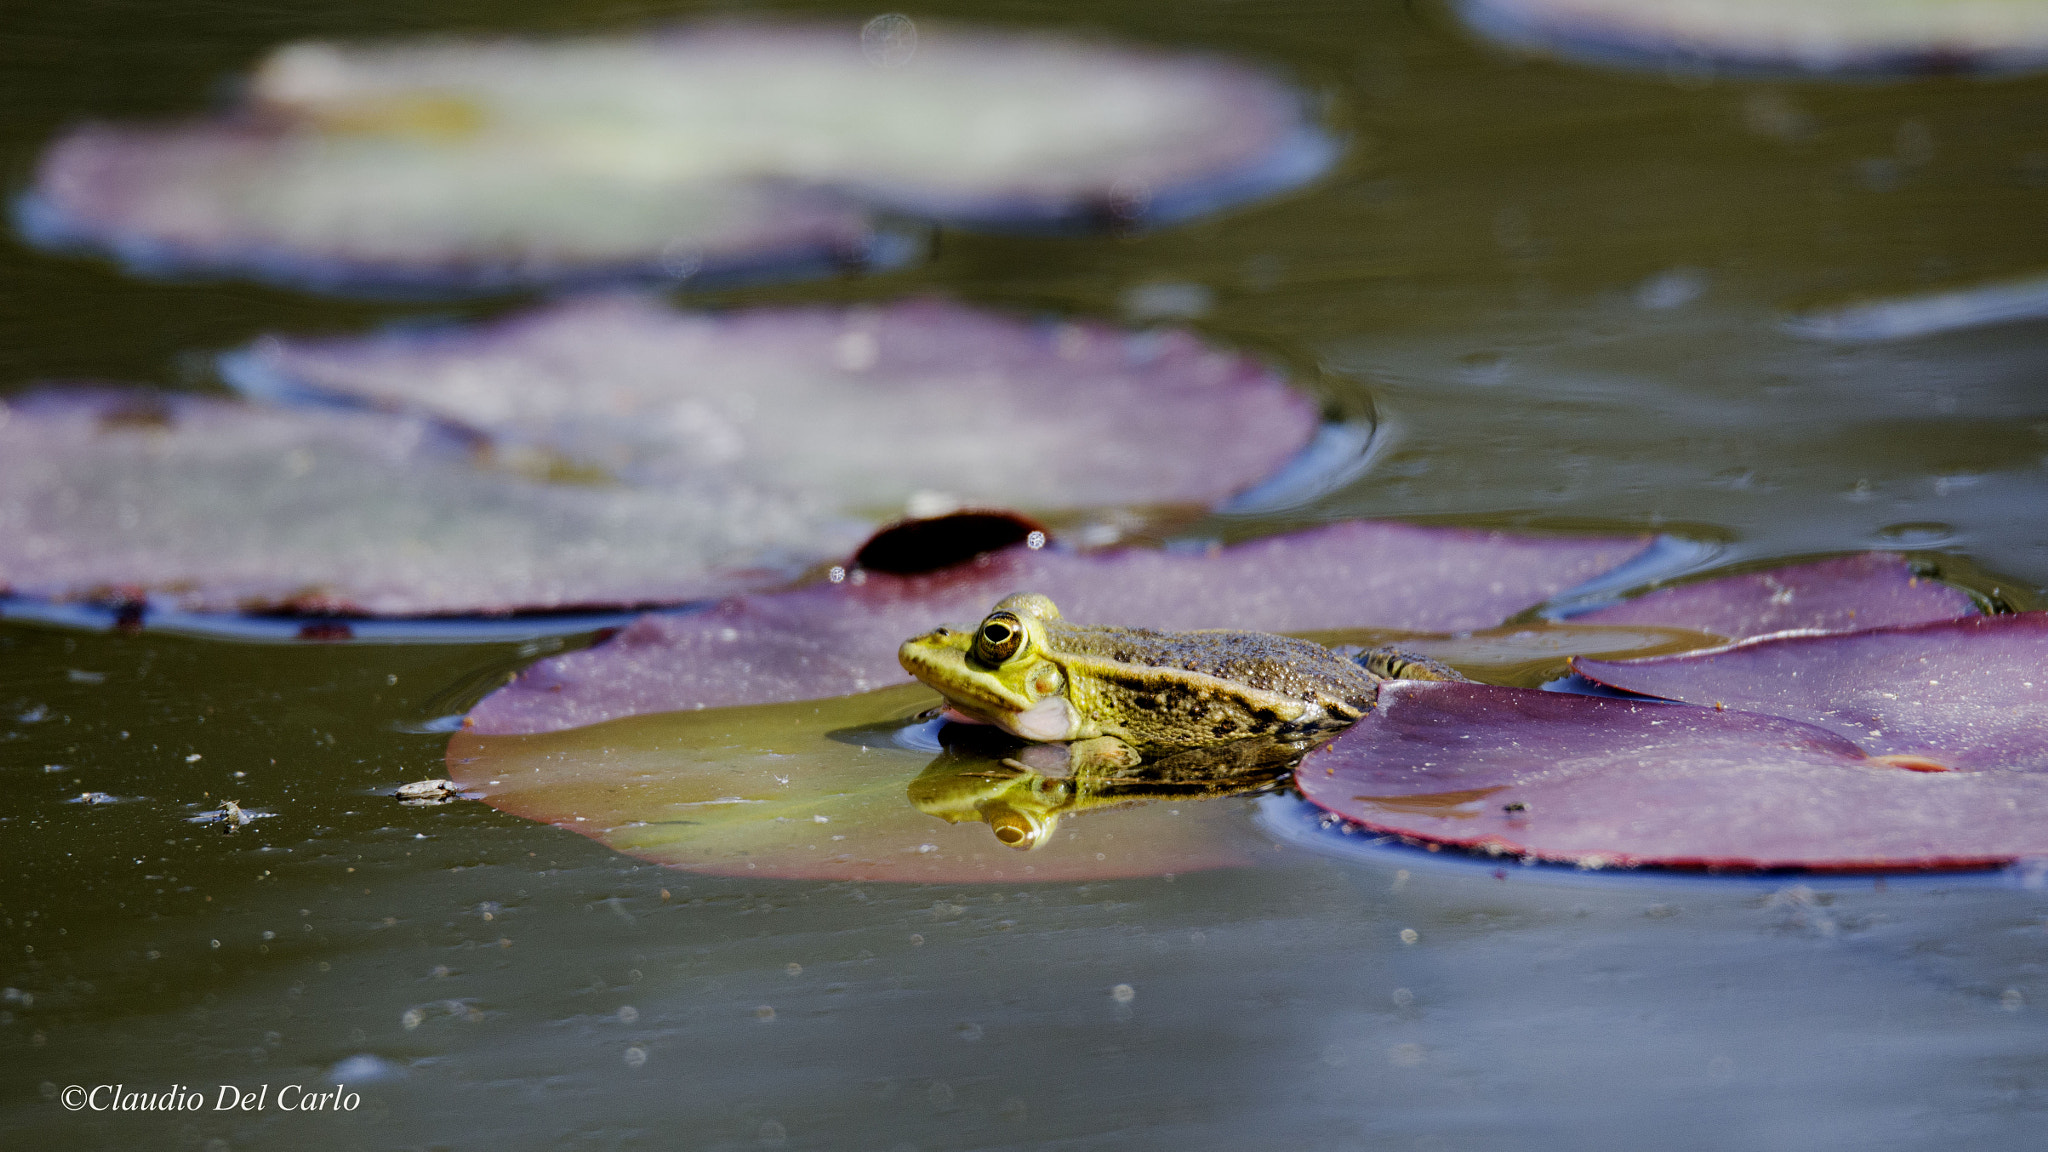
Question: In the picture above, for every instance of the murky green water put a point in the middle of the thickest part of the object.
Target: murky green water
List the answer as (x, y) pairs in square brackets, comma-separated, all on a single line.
[(1558, 289)]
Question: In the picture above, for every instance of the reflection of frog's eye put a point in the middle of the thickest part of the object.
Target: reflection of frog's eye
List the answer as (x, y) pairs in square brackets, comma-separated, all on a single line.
[(1001, 636)]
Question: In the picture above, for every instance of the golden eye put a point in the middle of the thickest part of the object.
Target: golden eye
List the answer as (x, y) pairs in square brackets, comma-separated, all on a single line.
[(1001, 637)]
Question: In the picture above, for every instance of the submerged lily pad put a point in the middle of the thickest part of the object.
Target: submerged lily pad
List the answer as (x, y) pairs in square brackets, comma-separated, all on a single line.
[(209, 505), (811, 790), (833, 639), (1605, 782), (1869, 590), (1965, 694), (723, 149), (871, 405), (340, 211), (1814, 36)]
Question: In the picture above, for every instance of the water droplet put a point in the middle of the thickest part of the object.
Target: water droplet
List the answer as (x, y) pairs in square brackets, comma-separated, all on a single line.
[(628, 1014), (635, 1057), (1123, 993), (1410, 936)]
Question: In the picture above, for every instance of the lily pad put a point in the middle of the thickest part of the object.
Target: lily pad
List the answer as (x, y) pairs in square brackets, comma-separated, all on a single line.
[(709, 152), (810, 790), (381, 212), (937, 120), (1809, 36), (1869, 590), (211, 505), (837, 638), (1609, 782), (874, 406), (1964, 694)]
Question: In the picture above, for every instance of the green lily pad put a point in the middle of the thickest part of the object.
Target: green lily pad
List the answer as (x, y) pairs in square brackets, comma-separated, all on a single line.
[(817, 789)]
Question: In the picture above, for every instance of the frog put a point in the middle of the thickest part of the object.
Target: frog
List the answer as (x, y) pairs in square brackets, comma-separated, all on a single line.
[(1130, 694)]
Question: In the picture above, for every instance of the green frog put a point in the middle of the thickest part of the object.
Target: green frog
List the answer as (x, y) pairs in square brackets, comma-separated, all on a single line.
[(1134, 693)]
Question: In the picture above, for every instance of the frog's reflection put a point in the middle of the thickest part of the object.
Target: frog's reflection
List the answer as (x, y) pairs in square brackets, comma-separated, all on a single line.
[(1022, 793)]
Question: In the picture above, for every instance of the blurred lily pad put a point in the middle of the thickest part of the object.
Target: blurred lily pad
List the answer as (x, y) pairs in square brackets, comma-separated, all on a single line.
[(401, 212), (1606, 782), (873, 408), (1964, 694), (1868, 590), (810, 790), (705, 151), (211, 505), (832, 639), (1811, 36)]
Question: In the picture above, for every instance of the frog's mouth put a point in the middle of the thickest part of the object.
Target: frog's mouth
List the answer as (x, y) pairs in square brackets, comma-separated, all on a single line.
[(1051, 719)]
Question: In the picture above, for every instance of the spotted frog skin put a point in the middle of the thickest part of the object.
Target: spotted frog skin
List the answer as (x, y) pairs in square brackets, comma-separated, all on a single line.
[(1037, 676)]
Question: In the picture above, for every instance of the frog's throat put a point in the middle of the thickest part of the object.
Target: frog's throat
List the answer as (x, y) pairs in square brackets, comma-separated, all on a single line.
[(1052, 718)]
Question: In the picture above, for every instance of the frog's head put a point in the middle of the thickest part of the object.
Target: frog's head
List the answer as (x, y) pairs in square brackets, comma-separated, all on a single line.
[(1004, 672)]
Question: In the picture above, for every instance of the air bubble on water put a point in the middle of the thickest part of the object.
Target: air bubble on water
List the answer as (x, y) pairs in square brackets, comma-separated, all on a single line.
[(1410, 936), (1123, 993), (363, 1068), (889, 40), (628, 1014), (1672, 288), (635, 1057)]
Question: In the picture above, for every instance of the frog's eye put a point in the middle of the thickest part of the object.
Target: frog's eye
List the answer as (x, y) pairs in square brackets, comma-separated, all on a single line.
[(1000, 638)]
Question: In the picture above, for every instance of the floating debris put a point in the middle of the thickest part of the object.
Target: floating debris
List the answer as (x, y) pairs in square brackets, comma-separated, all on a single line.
[(427, 792)]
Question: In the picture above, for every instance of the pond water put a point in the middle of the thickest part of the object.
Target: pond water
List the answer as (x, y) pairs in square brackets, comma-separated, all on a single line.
[(1562, 293)]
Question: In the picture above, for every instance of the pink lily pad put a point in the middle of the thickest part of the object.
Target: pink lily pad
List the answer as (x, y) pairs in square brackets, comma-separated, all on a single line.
[(1610, 782), (1966, 694), (1869, 590), (872, 408), (837, 638), (208, 505), (764, 792)]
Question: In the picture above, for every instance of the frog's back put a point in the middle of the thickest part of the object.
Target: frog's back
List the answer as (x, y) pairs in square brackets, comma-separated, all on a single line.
[(1280, 664)]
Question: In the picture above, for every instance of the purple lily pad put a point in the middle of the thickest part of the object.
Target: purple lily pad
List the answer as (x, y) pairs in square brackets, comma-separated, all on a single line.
[(833, 639), (352, 212), (1606, 782), (1869, 590), (209, 505), (1965, 694), (922, 402), (1853, 37)]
